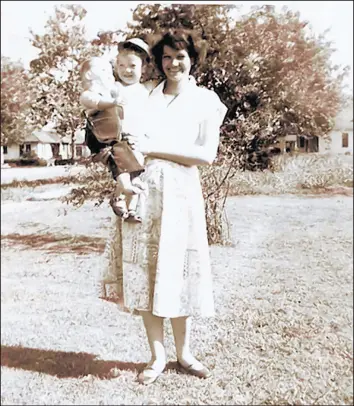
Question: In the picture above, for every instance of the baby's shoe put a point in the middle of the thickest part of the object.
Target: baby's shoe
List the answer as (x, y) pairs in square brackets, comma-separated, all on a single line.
[(133, 217), (119, 207)]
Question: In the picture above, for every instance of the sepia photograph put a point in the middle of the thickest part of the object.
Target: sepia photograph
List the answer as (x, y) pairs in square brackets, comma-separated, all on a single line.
[(176, 203)]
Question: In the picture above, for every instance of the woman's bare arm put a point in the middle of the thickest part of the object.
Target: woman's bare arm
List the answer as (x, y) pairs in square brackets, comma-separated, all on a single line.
[(203, 152), (199, 154)]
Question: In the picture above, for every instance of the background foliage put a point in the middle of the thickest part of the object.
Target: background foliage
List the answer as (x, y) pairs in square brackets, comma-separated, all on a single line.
[(15, 101), (271, 72)]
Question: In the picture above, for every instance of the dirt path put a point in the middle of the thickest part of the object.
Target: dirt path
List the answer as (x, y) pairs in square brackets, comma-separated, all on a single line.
[(283, 291)]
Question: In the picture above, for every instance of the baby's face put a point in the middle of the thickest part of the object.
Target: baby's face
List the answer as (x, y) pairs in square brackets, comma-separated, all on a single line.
[(129, 68), (102, 71)]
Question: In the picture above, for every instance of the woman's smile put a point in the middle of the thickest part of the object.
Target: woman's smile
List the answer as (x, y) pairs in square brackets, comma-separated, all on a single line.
[(176, 63)]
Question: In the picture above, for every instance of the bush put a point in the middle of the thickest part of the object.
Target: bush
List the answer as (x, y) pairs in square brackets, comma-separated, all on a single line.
[(251, 66), (60, 162), (26, 162), (294, 173), (42, 162), (22, 162), (257, 67), (29, 155)]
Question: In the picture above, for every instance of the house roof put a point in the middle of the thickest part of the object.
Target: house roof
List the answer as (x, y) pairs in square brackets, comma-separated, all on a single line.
[(51, 137), (44, 137), (31, 138), (79, 138), (66, 140), (48, 135)]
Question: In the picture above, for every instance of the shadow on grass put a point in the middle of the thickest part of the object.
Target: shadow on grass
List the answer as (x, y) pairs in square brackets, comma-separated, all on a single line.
[(66, 364), (57, 243)]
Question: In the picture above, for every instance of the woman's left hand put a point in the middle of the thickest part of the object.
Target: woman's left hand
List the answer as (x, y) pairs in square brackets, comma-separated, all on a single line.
[(137, 143), (131, 139)]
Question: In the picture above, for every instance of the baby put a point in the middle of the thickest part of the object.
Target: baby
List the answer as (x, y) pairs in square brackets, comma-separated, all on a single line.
[(113, 108)]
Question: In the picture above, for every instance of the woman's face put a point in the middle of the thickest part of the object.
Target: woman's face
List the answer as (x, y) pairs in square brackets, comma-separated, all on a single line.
[(176, 64)]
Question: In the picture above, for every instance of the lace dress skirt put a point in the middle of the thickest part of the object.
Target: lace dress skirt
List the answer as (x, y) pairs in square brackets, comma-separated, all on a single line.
[(162, 265)]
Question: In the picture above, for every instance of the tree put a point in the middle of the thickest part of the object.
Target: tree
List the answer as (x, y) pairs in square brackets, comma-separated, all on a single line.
[(15, 101), (55, 74), (273, 74)]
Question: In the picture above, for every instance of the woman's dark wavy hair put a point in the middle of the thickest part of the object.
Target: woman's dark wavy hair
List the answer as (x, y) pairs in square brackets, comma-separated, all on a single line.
[(179, 40)]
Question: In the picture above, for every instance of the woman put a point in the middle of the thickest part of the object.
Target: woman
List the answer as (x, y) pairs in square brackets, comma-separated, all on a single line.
[(161, 268)]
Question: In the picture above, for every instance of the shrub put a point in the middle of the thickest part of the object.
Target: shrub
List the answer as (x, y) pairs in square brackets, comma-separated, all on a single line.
[(294, 173), (42, 162), (64, 162), (29, 155), (22, 161)]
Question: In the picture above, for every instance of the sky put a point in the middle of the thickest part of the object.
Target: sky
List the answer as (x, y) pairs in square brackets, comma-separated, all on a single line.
[(17, 17)]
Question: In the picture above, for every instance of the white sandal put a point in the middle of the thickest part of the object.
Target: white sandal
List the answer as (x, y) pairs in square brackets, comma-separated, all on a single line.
[(148, 376), (203, 373)]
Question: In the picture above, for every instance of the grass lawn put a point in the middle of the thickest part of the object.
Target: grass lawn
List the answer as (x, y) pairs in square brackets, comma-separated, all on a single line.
[(284, 300)]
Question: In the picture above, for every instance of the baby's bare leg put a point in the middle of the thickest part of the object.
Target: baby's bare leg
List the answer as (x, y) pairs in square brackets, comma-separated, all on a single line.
[(132, 208), (133, 217), (124, 182), (135, 199), (133, 204), (126, 186)]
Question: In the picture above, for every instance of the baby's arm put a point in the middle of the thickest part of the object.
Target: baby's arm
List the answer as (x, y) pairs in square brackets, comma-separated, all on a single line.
[(93, 100)]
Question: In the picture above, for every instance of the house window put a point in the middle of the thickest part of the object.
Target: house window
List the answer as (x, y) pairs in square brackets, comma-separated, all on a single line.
[(21, 148), (55, 150), (302, 142), (5, 149), (345, 140), (79, 151), (28, 147), (290, 146)]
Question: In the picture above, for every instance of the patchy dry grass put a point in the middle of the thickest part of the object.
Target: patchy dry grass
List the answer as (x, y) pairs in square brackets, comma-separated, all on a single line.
[(284, 299), (56, 243), (301, 174), (38, 182)]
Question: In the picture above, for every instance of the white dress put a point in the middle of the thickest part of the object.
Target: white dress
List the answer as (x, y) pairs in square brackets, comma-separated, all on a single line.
[(163, 265)]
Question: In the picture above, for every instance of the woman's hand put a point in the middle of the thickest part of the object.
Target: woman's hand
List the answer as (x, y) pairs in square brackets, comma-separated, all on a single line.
[(131, 139), (137, 143)]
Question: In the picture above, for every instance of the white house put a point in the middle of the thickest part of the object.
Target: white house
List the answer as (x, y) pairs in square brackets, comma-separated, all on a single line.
[(340, 140), (297, 143), (2, 156), (81, 150), (47, 144)]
